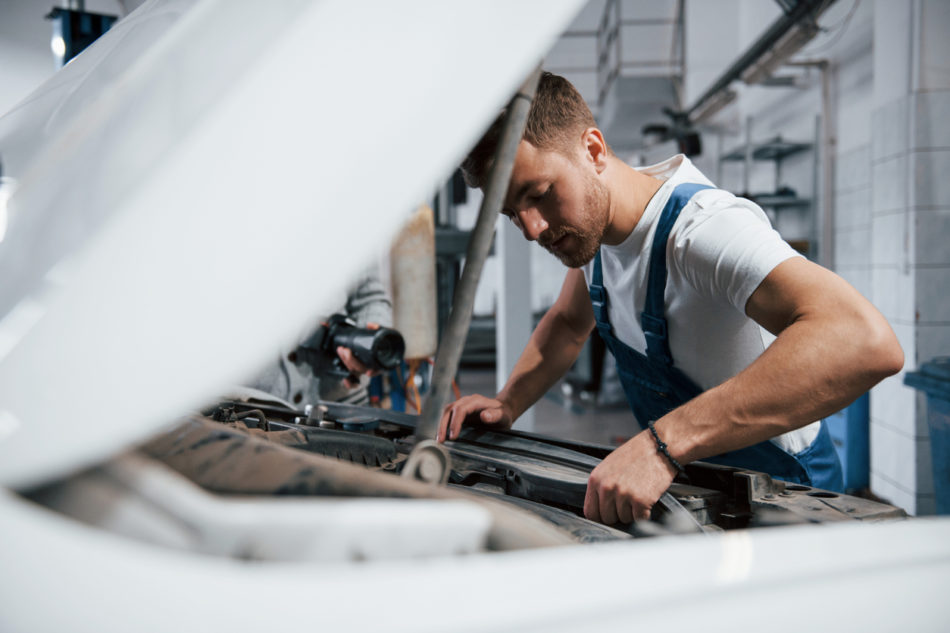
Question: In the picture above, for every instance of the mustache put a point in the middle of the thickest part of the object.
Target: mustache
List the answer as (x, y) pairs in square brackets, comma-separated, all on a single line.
[(549, 237)]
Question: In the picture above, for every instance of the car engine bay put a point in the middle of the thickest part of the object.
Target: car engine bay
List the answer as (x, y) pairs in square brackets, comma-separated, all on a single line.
[(504, 490)]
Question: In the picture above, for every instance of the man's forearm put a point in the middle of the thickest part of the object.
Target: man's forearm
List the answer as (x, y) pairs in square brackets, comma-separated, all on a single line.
[(553, 347), (815, 367)]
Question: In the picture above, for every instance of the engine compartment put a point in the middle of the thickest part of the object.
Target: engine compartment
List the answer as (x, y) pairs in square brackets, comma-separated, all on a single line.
[(251, 479), (540, 473)]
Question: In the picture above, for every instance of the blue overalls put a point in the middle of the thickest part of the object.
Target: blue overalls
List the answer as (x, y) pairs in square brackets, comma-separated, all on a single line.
[(654, 387)]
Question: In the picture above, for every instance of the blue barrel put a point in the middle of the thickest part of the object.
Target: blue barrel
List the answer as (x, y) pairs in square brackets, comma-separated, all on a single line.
[(933, 378), (851, 438)]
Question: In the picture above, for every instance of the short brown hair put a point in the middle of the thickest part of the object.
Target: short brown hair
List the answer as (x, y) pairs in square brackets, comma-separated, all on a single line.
[(557, 116)]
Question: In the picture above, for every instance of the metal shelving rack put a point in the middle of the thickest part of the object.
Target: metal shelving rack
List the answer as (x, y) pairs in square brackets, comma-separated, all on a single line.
[(776, 150)]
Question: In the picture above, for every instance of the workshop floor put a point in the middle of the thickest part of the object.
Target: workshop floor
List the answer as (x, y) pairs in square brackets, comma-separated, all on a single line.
[(561, 416)]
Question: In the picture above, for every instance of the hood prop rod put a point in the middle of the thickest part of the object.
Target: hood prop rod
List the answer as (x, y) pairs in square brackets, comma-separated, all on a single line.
[(453, 338)]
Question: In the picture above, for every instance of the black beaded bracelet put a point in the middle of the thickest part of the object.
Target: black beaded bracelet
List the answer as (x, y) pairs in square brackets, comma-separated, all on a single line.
[(661, 448)]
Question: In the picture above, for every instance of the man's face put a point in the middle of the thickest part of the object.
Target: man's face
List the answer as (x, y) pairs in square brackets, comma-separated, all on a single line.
[(558, 201)]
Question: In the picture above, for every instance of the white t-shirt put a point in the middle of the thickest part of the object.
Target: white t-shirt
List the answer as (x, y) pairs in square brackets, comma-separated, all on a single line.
[(719, 251)]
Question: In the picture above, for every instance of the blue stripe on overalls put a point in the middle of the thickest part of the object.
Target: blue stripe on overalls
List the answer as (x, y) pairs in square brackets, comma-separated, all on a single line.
[(654, 386)]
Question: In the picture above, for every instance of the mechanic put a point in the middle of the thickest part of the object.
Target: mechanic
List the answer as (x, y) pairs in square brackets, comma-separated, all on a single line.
[(300, 378), (731, 347)]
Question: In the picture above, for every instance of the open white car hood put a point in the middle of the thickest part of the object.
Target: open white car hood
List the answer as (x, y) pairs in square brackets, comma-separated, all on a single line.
[(165, 182), (165, 186)]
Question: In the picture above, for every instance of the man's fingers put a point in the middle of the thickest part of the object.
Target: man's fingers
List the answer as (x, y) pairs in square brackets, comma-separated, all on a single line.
[(350, 361), (456, 414), (444, 421), (345, 355), (591, 511), (458, 418), (452, 418), (608, 507), (490, 415), (624, 510)]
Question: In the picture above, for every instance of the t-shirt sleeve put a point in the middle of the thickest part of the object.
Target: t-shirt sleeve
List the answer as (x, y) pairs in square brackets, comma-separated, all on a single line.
[(726, 248)]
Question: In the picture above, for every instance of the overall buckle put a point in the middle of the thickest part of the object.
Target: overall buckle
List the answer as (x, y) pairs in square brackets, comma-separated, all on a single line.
[(655, 331)]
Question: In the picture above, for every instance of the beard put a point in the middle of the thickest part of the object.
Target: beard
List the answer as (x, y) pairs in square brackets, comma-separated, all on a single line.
[(590, 230)]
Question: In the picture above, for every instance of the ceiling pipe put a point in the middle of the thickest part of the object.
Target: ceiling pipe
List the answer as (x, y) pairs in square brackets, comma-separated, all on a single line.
[(797, 26)]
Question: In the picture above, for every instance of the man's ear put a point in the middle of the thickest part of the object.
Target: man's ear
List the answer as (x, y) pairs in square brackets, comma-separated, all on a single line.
[(595, 148)]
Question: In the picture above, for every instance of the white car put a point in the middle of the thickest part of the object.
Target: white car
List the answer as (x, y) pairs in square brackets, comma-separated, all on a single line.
[(155, 193)]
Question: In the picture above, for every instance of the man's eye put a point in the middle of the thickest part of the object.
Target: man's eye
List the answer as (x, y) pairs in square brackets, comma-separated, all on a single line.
[(544, 194)]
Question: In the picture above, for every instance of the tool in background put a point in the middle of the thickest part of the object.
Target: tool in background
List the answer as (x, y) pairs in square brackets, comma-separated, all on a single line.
[(378, 349)]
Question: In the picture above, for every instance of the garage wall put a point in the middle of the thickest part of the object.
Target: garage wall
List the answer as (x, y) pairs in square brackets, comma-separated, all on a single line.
[(910, 156), (891, 209)]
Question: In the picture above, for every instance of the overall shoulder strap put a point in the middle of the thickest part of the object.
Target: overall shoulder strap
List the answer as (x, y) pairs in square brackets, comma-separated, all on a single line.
[(653, 319), (598, 296)]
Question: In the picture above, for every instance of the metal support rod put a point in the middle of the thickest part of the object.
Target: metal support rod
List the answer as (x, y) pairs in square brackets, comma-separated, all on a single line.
[(453, 339), (747, 165), (827, 138), (829, 143)]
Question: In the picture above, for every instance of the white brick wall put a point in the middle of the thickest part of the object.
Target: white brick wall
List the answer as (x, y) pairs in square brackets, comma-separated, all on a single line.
[(852, 222), (910, 250), (895, 436)]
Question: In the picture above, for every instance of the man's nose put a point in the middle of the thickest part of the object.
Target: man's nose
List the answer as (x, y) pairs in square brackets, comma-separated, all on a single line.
[(532, 224)]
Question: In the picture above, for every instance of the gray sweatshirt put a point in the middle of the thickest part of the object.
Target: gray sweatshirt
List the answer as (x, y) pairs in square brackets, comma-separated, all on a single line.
[(296, 381)]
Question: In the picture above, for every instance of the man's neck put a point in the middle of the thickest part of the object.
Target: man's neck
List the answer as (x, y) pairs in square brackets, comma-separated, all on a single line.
[(630, 193)]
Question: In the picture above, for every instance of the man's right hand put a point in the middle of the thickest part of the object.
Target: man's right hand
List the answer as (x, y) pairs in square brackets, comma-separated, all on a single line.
[(473, 409), (554, 345)]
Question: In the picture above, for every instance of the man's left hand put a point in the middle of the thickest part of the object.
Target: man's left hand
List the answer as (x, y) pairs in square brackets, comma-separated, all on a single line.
[(624, 487)]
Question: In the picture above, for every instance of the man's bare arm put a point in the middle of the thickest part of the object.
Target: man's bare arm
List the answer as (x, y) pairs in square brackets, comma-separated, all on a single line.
[(553, 346), (832, 346)]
